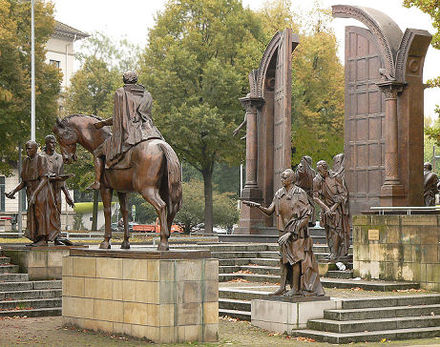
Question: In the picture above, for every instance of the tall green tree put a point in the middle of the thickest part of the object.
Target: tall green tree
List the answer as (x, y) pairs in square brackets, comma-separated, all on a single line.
[(196, 64), (15, 81)]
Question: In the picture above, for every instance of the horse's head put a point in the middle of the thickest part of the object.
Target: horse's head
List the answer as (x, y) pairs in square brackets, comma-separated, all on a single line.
[(67, 139)]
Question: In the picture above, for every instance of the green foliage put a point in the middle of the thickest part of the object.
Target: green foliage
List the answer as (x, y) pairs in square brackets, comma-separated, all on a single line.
[(192, 211), (199, 55), (15, 76)]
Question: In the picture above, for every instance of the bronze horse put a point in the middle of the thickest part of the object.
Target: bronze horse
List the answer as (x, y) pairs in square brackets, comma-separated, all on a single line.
[(154, 173)]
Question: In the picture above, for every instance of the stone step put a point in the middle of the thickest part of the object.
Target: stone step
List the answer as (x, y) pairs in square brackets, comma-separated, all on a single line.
[(242, 315), (29, 285), (241, 294), (30, 304), (265, 261), (39, 312), (233, 255), (8, 268), (249, 277), (382, 312), (31, 294), (234, 304), (391, 301), (356, 326), (326, 282), (339, 274), (238, 247), (14, 277), (398, 334), (381, 286), (256, 269), (5, 260), (234, 262)]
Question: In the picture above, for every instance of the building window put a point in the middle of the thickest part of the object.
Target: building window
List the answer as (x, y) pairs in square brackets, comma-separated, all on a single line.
[(55, 62), (2, 193)]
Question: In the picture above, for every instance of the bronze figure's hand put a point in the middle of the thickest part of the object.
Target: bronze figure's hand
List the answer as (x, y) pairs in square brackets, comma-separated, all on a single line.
[(10, 195), (99, 125), (284, 238), (251, 203)]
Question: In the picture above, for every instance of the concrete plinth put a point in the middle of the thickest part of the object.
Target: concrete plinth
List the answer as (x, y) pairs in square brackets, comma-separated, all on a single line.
[(284, 315), (166, 297), (398, 248), (41, 263)]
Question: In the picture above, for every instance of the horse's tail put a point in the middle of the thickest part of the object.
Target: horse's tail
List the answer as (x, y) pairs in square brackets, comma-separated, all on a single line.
[(174, 179)]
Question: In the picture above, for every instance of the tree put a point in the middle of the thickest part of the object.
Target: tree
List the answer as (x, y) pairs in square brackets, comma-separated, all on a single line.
[(317, 80), (196, 66), (192, 211), (15, 76)]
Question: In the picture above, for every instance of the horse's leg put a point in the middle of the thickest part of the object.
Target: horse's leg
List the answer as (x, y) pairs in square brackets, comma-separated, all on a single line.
[(124, 211), (151, 194), (106, 196)]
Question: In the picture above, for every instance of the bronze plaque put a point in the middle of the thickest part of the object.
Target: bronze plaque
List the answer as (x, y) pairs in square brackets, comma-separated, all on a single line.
[(373, 235)]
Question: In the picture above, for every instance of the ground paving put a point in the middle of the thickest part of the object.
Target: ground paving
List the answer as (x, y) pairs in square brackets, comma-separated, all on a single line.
[(49, 331)]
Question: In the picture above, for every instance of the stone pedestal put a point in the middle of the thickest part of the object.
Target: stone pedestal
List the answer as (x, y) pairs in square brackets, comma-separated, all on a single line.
[(398, 248), (166, 297), (40, 263), (287, 314)]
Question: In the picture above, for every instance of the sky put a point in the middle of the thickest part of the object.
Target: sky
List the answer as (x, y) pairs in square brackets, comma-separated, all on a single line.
[(132, 19)]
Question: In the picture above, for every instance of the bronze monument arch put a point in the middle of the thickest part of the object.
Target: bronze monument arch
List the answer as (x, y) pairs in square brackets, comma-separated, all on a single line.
[(268, 128), (383, 110)]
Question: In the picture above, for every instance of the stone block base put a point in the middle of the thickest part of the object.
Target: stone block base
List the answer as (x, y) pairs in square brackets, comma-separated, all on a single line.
[(41, 263), (165, 297), (285, 316), (398, 248)]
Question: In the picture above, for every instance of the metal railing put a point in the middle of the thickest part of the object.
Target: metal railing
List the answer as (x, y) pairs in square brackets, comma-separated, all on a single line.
[(408, 210)]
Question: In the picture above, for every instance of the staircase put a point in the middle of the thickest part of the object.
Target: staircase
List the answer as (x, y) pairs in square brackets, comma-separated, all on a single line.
[(21, 297), (375, 319)]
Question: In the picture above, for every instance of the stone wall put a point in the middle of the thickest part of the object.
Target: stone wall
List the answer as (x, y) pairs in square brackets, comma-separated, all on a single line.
[(163, 300), (398, 247)]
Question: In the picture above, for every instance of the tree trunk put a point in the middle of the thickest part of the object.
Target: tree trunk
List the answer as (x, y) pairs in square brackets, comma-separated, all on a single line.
[(209, 216), (95, 211)]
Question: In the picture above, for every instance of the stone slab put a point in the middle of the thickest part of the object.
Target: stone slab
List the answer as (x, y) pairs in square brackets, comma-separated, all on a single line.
[(284, 317), (40, 263), (142, 253)]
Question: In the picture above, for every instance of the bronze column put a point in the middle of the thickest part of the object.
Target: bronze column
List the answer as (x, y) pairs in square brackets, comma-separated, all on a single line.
[(251, 106), (392, 190), (251, 218)]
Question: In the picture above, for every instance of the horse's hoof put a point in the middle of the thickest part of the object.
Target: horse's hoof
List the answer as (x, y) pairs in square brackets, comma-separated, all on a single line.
[(163, 247), (105, 245), (125, 245)]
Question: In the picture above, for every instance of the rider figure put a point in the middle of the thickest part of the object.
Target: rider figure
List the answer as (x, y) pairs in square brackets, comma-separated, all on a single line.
[(132, 123)]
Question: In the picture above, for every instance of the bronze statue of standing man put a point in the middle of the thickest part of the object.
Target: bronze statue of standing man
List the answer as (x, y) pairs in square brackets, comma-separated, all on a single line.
[(331, 194), (298, 264), (430, 182)]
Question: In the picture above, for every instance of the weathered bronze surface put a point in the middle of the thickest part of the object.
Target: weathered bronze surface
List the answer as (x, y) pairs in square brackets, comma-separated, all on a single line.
[(331, 194), (383, 110), (139, 160), (430, 182), (304, 176), (292, 210), (42, 176), (268, 127)]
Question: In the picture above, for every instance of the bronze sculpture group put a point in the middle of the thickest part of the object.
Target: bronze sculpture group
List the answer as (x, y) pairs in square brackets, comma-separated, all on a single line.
[(132, 158), (43, 177), (430, 184)]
